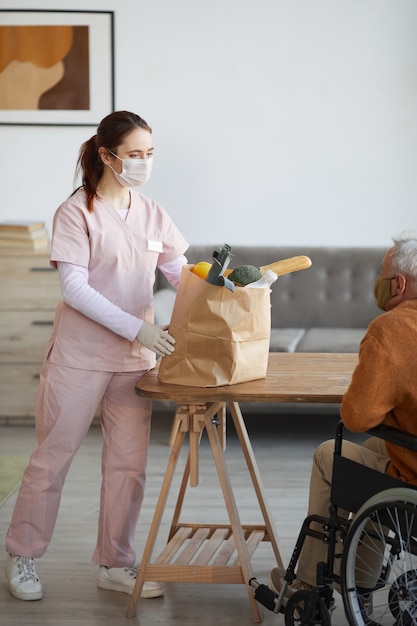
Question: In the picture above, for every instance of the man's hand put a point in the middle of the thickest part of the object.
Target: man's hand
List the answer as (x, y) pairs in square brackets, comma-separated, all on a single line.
[(156, 338)]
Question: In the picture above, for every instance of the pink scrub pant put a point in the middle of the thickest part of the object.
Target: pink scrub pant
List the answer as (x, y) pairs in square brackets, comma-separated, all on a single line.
[(66, 402)]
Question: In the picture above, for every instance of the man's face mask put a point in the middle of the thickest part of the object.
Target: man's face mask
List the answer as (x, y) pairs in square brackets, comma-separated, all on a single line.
[(382, 291)]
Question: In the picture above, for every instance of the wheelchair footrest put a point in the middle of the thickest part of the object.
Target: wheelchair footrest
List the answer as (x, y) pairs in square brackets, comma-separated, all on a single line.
[(265, 596)]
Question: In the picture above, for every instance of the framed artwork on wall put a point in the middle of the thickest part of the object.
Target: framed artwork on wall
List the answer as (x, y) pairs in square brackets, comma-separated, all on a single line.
[(56, 67)]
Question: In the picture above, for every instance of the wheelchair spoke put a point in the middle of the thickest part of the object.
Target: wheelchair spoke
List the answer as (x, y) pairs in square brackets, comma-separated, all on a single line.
[(379, 566)]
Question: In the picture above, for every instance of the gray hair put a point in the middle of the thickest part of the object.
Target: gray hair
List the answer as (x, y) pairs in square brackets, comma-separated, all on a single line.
[(404, 254)]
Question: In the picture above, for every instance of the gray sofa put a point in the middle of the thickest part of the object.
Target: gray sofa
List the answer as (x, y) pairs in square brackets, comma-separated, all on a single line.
[(325, 308)]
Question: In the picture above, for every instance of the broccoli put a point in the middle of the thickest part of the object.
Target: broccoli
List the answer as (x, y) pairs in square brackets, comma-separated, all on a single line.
[(245, 274)]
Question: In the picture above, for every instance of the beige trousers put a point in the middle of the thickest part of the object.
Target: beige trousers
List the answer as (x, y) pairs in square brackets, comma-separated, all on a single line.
[(371, 453)]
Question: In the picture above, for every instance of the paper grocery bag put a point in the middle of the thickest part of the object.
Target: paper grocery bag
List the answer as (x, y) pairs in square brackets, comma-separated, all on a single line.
[(222, 337)]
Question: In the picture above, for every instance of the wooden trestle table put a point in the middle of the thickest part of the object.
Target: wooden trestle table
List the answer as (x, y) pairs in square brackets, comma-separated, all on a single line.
[(219, 553)]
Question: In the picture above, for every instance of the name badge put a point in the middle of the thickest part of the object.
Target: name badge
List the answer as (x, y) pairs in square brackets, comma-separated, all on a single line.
[(155, 246)]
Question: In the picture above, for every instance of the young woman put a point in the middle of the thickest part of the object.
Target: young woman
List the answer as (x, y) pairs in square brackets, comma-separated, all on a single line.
[(107, 242)]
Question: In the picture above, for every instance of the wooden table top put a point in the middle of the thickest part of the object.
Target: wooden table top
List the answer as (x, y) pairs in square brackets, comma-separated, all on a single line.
[(291, 377)]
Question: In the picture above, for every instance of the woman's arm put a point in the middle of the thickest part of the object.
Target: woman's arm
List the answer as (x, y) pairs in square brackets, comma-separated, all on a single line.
[(172, 270), (81, 296)]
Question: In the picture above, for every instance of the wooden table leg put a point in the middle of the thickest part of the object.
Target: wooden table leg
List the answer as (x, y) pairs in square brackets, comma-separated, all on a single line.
[(255, 475), (241, 547), (157, 518), (180, 561), (197, 414)]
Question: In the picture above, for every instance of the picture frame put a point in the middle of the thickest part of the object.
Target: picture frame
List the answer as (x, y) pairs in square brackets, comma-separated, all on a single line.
[(59, 73)]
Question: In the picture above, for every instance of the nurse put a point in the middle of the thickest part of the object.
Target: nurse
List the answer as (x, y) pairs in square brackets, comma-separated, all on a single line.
[(107, 241)]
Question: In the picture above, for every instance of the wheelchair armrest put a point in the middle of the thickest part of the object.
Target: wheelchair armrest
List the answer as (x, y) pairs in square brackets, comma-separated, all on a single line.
[(399, 437), (388, 433)]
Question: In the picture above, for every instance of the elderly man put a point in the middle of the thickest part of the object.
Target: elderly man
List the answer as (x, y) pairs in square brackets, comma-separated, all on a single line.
[(383, 389)]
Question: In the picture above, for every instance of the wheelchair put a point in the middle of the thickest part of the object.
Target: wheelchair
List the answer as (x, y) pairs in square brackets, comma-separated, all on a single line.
[(375, 549)]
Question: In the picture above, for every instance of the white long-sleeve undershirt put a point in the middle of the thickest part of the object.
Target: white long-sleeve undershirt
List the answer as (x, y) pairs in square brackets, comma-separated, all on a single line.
[(78, 294)]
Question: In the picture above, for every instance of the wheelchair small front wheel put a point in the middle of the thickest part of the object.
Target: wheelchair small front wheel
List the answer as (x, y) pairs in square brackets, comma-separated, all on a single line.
[(306, 608), (379, 561)]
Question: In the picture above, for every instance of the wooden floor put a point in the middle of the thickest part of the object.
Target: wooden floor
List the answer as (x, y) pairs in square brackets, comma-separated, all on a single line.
[(283, 447)]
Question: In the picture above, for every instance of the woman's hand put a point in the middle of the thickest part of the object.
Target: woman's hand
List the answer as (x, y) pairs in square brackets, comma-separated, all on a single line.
[(156, 338)]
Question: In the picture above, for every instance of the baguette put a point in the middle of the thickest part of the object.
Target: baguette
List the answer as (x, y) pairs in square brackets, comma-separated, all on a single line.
[(286, 266)]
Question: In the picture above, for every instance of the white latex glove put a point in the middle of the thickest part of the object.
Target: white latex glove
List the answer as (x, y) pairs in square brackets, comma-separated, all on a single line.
[(156, 338)]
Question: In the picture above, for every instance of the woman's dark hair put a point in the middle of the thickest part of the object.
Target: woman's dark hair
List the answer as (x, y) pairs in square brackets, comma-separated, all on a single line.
[(110, 134)]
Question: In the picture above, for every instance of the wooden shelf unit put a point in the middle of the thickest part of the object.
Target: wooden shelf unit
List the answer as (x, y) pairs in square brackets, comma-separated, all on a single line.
[(30, 292)]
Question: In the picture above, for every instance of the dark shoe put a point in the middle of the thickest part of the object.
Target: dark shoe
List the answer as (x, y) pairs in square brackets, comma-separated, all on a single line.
[(276, 581)]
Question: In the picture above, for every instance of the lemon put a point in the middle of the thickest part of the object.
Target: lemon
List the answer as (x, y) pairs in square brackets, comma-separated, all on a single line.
[(201, 269)]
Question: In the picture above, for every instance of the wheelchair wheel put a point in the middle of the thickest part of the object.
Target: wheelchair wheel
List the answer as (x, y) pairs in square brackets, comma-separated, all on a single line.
[(402, 596), (305, 608), (379, 561)]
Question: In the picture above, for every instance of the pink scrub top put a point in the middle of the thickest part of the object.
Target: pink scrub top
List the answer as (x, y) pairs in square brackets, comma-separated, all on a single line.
[(121, 257)]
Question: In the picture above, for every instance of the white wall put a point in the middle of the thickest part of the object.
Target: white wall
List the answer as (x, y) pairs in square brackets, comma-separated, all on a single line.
[(275, 122)]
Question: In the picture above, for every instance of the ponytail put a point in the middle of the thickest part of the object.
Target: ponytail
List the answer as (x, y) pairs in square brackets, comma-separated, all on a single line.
[(91, 166)]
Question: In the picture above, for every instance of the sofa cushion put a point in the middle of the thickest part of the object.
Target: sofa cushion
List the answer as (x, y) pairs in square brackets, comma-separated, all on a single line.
[(285, 339), (331, 340)]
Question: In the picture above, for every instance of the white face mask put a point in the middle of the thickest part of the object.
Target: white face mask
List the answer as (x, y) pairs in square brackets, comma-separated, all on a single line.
[(135, 172)]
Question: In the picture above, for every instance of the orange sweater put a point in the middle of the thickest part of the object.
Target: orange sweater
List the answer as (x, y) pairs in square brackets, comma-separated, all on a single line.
[(384, 384)]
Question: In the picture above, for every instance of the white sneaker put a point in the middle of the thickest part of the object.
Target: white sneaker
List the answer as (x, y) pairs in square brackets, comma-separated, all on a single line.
[(24, 583), (124, 579)]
